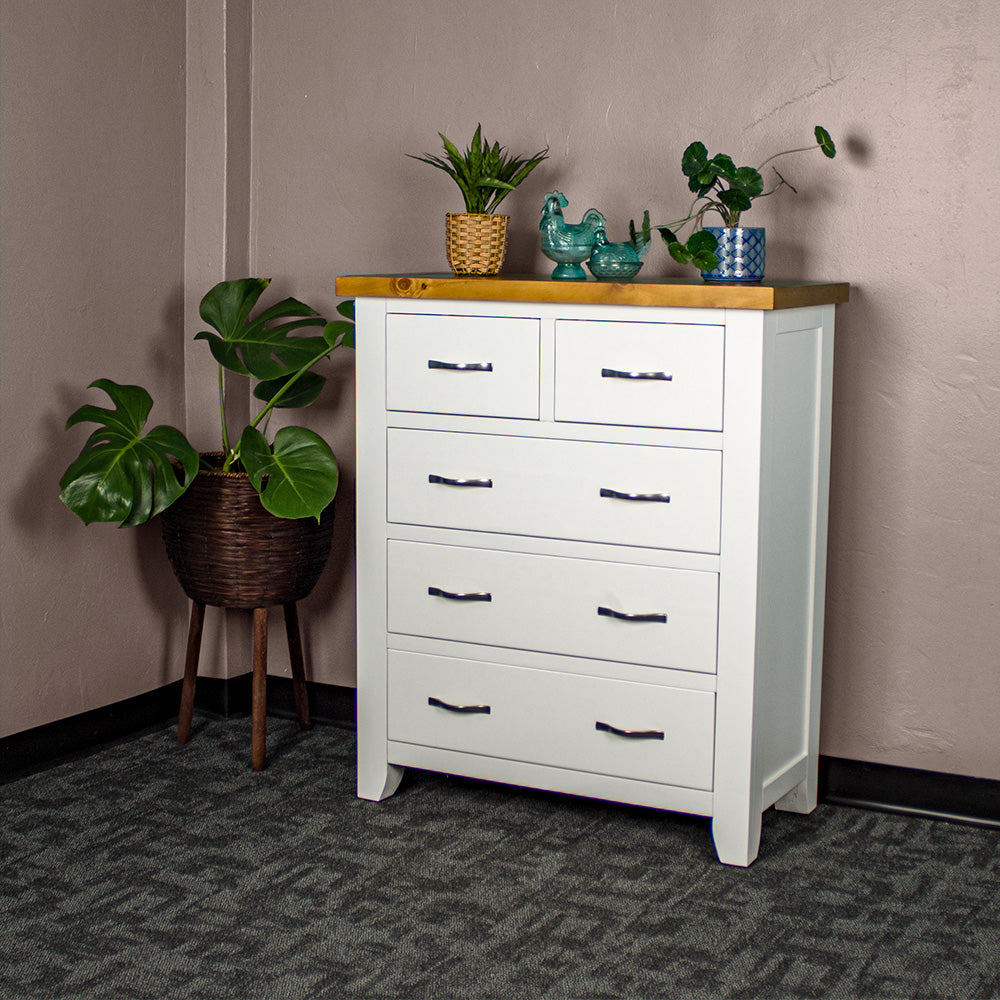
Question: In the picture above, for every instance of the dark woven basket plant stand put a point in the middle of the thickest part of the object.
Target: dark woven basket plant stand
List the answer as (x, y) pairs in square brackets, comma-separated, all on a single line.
[(229, 552)]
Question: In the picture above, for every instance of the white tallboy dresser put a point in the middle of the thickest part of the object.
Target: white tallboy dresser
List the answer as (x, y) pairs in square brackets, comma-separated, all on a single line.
[(591, 538)]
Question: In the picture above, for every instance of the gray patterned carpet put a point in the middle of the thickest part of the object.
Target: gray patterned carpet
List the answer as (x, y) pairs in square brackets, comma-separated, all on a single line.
[(152, 870)]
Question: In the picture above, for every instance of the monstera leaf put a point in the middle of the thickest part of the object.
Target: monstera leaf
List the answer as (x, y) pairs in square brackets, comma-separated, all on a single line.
[(300, 469), (258, 347), (122, 475), (341, 333), (300, 388), (295, 390)]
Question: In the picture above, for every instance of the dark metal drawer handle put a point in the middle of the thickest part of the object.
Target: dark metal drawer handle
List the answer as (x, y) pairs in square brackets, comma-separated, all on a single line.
[(626, 617), (651, 497), (472, 366), (463, 709), (631, 734), (445, 481), (652, 376), (452, 596)]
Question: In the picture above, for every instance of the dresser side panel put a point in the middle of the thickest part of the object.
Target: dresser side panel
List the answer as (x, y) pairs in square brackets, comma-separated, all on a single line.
[(794, 492)]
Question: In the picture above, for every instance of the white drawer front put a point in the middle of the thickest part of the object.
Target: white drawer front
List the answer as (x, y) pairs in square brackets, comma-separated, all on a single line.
[(473, 365), (557, 489), (557, 605), (646, 374), (543, 717)]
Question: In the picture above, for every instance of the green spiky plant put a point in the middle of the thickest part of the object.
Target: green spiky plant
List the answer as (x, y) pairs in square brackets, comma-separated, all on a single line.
[(485, 174), (128, 475), (722, 187)]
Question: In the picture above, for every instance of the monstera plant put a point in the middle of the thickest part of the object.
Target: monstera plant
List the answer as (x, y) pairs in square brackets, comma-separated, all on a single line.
[(128, 474)]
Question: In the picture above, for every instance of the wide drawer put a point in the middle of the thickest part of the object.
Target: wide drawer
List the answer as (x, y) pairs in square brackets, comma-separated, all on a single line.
[(645, 374), (471, 365), (580, 607), (624, 494), (593, 724)]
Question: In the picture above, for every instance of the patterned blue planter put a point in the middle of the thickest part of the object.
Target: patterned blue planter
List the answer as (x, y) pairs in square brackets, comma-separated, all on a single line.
[(740, 254)]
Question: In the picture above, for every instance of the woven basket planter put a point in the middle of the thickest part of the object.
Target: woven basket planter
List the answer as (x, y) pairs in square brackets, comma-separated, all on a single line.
[(476, 244), (228, 551)]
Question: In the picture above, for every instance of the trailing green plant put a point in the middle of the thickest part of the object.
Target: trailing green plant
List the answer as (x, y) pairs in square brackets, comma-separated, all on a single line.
[(485, 174), (129, 475), (719, 186)]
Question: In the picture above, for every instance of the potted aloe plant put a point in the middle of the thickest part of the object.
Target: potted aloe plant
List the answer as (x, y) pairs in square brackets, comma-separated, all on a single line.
[(246, 527), (729, 253), (485, 174)]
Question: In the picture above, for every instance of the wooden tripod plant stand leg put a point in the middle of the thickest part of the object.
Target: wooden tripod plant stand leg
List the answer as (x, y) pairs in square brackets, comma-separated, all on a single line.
[(259, 685)]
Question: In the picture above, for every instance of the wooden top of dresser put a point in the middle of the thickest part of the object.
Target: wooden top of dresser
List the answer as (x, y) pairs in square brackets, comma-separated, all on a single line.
[(691, 293)]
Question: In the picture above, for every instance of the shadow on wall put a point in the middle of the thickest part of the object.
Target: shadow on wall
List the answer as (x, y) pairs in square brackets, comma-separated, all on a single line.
[(36, 509), (163, 592), (787, 257), (38, 514), (329, 609), (159, 583), (858, 507), (858, 148)]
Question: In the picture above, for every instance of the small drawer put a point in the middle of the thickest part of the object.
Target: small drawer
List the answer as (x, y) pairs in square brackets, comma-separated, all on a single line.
[(640, 374), (469, 365), (592, 724), (579, 607), (644, 495)]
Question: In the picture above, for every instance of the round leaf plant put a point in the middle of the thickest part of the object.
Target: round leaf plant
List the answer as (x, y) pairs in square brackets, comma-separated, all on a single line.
[(719, 186)]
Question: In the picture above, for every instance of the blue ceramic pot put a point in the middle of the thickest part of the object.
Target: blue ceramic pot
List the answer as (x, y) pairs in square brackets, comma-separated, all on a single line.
[(740, 254)]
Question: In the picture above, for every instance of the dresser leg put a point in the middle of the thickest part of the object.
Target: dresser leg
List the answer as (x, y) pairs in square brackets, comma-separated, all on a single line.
[(737, 838), (800, 799), (378, 781)]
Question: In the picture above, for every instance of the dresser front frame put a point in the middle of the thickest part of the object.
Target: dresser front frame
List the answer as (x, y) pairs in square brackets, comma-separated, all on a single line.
[(775, 441)]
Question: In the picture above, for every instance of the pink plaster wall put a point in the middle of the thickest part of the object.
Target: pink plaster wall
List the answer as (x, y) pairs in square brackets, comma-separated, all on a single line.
[(92, 285), (93, 96), (342, 90)]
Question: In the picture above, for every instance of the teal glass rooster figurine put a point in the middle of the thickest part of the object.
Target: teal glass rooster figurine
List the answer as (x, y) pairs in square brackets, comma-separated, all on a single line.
[(568, 245)]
